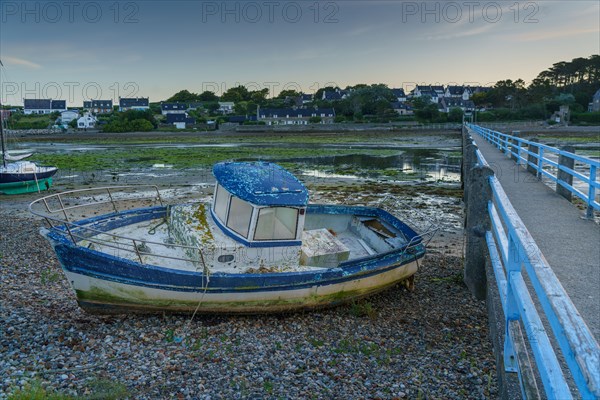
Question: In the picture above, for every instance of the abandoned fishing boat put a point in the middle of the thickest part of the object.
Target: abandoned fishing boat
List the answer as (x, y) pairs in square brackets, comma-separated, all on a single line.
[(258, 247)]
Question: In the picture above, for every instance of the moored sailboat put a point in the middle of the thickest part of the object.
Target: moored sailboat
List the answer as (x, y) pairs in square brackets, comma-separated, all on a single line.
[(20, 176)]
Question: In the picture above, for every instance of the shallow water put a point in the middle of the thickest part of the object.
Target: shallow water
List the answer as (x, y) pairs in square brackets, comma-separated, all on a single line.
[(416, 162)]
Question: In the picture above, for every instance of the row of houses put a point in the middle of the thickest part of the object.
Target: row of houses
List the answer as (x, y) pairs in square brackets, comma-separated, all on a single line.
[(437, 93), (444, 105), (48, 106), (434, 92), (43, 106), (295, 116), (125, 104), (177, 115), (225, 107)]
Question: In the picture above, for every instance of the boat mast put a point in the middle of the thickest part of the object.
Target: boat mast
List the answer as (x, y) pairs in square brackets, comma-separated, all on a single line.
[(2, 129), (2, 136)]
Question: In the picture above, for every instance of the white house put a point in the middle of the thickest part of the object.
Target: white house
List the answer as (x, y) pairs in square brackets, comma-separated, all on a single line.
[(432, 94), (457, 92), (417, 91), (399, 94), (402, 108), (226, 107), (68, 116), (173, 108), (338, 94), (137, 103), (428, 90), (448, 103), (88, 121), (179, 120), (438, 89), (98, 106), (595, 104)]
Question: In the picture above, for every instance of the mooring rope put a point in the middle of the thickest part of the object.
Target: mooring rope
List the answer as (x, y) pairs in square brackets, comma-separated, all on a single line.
[(206, 272)]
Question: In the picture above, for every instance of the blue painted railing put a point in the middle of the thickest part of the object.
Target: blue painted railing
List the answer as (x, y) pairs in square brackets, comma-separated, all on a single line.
[(520, 149), (511, 248)]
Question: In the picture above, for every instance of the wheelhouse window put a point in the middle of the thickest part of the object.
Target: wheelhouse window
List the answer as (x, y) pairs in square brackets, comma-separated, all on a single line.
[(240, 214), (276, 223), (221, 203)]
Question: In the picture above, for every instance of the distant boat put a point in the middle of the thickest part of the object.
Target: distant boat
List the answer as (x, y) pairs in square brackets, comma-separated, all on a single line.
[(259, 247), (22, 176)]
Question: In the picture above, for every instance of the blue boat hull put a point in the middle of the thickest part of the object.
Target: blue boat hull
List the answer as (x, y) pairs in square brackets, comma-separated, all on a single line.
[(105, 283), (14, 177)]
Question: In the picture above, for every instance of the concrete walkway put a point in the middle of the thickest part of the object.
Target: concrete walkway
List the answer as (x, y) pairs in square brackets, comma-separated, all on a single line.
[(570, 244)]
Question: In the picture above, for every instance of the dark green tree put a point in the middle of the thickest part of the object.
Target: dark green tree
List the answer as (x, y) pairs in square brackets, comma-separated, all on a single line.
[(211, 107), (455, 115), (259, 96), (287, 93), (183, 96), (208, 96), (235, 94)]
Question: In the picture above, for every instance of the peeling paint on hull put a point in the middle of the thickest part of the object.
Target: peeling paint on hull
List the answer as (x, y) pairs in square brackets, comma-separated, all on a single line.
[(99, 296), (105, 283)]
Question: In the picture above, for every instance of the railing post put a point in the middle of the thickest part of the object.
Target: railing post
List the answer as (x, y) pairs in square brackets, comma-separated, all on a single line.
[(477, 223), (540, 163), (517, 143), (512, 310), (589, 213), (563, 175), (465, 135), (469, 159), (531, 158)]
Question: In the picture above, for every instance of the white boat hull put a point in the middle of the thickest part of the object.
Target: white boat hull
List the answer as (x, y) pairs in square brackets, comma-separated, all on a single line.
[(100, 295)]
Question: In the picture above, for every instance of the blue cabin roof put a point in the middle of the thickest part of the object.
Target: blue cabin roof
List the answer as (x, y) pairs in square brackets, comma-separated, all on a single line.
[(261, 183)]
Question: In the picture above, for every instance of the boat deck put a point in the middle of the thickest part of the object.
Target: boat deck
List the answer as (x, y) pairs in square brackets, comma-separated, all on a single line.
[(159, 248)]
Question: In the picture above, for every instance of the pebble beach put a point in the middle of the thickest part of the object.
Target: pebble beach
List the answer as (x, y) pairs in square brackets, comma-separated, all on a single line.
[(426, 343)]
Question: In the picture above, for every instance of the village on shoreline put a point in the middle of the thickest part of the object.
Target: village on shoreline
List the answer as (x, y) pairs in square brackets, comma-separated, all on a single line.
[(565, 94)]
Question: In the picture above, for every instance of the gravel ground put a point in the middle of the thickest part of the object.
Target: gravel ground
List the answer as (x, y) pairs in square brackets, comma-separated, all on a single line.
[(430, 343)]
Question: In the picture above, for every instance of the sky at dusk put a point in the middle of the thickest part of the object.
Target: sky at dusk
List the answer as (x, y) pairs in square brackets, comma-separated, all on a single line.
[(105, 49)]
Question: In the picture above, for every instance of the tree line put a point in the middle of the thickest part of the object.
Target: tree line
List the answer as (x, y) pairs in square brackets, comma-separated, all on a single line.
[(571, 83)]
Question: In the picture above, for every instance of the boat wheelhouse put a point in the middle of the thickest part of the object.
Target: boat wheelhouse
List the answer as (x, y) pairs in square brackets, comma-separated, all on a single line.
[(259, 204)]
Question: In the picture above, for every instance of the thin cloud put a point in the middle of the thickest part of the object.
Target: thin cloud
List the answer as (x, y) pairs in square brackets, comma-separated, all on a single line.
[(460, 34), (360, 31), (21, 62), (551, 34)]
